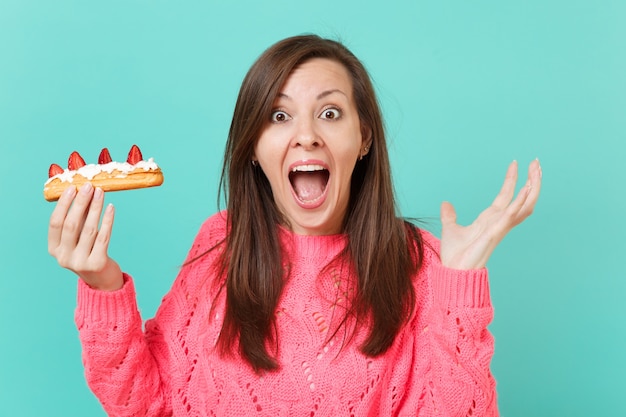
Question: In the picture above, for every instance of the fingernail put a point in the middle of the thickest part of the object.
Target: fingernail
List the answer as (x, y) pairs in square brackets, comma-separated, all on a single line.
[(98, 193), (86, 188), (68, 191), (109, 208)]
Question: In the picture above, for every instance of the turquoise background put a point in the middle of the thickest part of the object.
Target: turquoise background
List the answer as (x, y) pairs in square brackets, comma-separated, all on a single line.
[(466, 87)]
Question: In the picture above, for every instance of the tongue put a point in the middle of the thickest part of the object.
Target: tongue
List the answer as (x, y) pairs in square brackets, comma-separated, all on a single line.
[(308, 185)]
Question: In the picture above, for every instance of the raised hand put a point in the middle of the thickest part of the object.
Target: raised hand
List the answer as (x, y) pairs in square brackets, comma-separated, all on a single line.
[(469, 247), (77, 243)]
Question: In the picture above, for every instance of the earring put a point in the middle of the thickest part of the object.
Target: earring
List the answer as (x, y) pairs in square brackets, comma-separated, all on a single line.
[(364, 153), (254, 162)]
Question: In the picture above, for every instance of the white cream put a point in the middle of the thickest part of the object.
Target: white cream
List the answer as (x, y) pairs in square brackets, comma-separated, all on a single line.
[(91, 170)]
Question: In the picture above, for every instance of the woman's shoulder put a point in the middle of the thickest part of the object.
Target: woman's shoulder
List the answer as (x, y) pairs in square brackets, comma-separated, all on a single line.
[(426, 247), (215, 224), (212, 233), (429, 238), (429, 241)]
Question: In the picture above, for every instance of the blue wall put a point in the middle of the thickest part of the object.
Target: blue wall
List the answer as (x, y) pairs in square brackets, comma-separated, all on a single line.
[(466, 87)]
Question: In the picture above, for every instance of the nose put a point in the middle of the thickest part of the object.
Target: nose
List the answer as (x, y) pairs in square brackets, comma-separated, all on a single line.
[(306, 135)]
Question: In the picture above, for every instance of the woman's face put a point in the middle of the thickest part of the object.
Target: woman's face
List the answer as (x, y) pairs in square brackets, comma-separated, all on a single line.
[(310, 146)]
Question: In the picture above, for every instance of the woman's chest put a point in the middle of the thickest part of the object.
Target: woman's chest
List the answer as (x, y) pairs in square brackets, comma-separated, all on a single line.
[(322, 372)]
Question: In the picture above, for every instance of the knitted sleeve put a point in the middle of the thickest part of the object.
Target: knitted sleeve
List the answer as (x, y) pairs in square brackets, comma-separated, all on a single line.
[(458, 381), (119, 365), (129, 370)]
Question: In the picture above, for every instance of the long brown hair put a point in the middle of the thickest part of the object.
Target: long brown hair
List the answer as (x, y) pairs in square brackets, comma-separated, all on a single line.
[(383, 251)]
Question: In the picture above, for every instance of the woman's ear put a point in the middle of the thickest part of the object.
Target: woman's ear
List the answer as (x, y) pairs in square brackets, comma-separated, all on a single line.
[(366, 140)]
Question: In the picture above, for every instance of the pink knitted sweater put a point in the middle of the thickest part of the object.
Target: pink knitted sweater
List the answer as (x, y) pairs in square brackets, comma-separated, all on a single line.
[(437, 366)]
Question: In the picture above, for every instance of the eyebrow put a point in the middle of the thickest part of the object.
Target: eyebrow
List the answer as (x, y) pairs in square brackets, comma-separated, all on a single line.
[(319, 96)]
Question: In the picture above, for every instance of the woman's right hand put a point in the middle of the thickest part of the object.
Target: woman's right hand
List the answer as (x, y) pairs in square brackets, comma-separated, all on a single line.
[(76, 242)]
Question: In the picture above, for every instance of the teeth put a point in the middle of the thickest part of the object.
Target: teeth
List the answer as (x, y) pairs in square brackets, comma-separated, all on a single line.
[(307, 168)]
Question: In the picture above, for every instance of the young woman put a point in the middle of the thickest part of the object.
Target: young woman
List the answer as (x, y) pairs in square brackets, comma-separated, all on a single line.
[(309, 295)]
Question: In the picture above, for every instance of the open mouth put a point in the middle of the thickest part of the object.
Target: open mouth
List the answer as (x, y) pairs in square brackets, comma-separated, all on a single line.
[(308, 183)]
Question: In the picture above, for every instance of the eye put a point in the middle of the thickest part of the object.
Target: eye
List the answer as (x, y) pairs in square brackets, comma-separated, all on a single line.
[(331, 113), (279, 116)]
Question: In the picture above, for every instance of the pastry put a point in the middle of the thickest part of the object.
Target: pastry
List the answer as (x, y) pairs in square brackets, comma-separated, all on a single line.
[(106, 174)]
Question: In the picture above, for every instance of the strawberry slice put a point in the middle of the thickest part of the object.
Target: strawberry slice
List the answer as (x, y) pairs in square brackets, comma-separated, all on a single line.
[(75, 161), (105, 157), (134, 155), (54, 170)]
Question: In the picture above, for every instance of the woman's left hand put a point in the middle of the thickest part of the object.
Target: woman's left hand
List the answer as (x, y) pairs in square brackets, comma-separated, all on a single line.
[(469, 247)]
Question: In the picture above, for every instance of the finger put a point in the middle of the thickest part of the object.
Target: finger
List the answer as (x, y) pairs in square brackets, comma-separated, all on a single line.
[(101, 245), (89, 229), (447, 214), (75, 219), (534, 178), (507, 191), (524, 203), (57, 219), (515, 207)]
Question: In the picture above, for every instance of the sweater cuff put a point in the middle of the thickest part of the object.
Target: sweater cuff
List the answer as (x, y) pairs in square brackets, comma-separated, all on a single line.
[(115, 307), (461, 288)]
